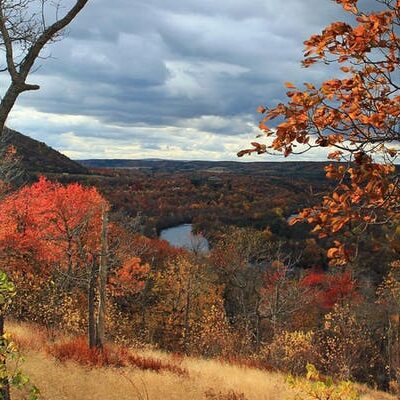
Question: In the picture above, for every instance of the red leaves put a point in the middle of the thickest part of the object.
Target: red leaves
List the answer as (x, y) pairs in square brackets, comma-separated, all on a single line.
[(242, 153), (48, 222), (345, 69), (154, 251), (340, 39), (330, 289), (369, 190), (77, 350), (335, 155), (130, 278)]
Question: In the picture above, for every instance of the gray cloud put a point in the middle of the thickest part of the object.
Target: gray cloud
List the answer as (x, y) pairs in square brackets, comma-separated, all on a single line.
[(129, 69)]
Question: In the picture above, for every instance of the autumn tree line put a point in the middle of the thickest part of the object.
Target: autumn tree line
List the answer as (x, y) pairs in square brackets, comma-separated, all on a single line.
[(206, 199), (249, 300)]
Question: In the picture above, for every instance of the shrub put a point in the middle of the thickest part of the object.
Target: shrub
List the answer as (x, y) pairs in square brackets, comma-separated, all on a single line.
[(213, 336), (41, 300), (316, 387), (77, 350), (347, 346), (156, 365), (290, 351)]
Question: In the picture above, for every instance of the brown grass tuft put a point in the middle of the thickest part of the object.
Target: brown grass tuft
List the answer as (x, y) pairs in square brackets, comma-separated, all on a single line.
[(247, 363), (211, 394), (34, 338)]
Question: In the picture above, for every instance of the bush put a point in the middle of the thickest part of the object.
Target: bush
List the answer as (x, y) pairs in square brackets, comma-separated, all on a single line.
[(212, 336), (42, 301), (290, 351), (347, 346), (77, 350), (316, 387)]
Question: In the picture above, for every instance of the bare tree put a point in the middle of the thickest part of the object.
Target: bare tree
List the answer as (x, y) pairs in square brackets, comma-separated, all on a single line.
[(26, 27)]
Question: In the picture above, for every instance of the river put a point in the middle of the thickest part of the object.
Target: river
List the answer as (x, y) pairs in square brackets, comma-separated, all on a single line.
[(182, 236)]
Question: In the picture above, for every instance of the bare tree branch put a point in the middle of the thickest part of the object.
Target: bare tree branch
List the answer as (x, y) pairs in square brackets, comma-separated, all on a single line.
[(24, 32)]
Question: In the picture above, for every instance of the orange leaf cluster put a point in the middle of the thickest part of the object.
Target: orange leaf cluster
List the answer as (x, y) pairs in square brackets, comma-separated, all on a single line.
[(130, 278), (48, 223), (356, 116)]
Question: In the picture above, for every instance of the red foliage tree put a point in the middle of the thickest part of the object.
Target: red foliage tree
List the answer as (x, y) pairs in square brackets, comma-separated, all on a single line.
[(48, 224), (48, 227)]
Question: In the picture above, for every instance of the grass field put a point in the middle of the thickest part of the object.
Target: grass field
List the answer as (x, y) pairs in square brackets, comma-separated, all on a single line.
[(207, 379)]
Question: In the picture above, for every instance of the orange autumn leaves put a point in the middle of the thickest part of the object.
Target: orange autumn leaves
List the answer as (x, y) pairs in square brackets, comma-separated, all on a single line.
[(130, 278), (48, 221), (356, 115), (47, 226)]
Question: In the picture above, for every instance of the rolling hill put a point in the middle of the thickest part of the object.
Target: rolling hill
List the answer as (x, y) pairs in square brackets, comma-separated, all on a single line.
[(38, 157), (305, 169)]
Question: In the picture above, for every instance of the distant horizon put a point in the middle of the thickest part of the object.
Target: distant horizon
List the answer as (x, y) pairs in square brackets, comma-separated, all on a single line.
[(278, 158), (287, 159)]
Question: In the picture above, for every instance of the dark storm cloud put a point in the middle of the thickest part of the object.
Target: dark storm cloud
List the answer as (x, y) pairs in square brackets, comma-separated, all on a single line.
[(201, 64)]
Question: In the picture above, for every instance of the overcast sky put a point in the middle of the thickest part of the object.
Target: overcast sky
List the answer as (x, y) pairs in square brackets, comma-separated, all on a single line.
[(176, 79)]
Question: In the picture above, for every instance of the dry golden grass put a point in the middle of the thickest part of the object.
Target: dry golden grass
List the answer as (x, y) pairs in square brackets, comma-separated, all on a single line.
[(68, 381)]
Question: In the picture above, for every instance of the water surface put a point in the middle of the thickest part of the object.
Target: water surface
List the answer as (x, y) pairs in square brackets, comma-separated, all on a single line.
[(183, 237)]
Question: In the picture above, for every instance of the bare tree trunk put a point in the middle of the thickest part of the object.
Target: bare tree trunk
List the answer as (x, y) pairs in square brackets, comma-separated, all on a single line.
[(7, 103), (187, 316), (91, 300), (5, 387), (275, 310), (103, 272)]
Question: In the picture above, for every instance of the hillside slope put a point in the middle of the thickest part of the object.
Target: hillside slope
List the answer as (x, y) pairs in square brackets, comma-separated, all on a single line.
[(207, 379), (38, 157)]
